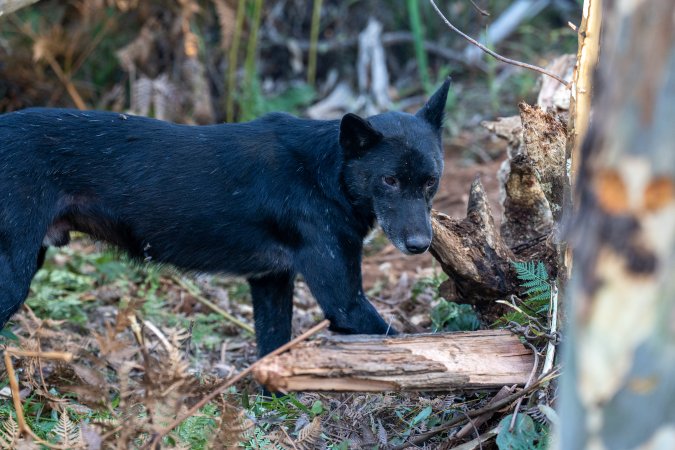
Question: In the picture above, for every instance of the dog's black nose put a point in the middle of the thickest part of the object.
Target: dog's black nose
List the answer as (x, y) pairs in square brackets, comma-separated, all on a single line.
[(417, 244)]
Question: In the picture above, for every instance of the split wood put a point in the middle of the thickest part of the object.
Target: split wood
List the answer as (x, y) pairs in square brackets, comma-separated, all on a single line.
[(420, 362)]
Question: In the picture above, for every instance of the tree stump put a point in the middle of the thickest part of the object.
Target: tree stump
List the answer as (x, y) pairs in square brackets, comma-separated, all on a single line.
[(475, 255)]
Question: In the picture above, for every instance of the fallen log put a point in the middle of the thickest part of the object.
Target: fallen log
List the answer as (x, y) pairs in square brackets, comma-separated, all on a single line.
[(487, 359)]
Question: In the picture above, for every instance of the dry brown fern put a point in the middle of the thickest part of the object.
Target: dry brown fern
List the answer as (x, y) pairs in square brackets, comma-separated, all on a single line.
[(233, 426), (67, 433), (226, 19), (9, 433), (309, 437)]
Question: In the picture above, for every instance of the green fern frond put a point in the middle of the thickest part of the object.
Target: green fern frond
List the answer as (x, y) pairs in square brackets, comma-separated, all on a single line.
[(546, 295), (535, 296), (535, 279), (536, 290)]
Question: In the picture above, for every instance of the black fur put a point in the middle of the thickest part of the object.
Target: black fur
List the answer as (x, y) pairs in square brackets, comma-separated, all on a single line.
[(267, 199)]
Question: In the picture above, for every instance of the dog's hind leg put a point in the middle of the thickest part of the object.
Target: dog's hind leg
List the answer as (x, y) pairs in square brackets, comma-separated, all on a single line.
[(18, 263), (273, 310), (41, 257)]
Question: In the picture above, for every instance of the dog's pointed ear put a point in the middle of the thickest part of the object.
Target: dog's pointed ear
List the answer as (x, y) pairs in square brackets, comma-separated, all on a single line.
[(434, 110), (357, 135)]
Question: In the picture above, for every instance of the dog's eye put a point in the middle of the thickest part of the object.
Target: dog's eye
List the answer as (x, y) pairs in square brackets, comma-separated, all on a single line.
[(431, 182), (390, 181)]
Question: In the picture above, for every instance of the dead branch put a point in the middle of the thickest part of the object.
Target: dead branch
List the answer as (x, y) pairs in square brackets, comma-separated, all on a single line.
[(587, 58), (494, 54)]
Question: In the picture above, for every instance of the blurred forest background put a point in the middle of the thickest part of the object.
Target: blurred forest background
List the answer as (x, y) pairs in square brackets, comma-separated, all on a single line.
[(202, 62), (227, 60)]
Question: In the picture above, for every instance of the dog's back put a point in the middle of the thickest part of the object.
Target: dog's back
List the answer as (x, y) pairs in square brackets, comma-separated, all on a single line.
[(167, 192)]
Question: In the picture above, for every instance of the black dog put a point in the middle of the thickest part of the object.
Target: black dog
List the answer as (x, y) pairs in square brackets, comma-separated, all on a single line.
[(267, 199)]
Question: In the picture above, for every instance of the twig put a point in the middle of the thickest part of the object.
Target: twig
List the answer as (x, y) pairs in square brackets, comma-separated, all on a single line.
[(14, 388), (61, 356), (389, 38), (290, 440), (482, 12), (313, 40), (420, 438), (201, 299), (535, 366), (553, 329), (480, 420), (220, 389), (496, 55), (152, 327)]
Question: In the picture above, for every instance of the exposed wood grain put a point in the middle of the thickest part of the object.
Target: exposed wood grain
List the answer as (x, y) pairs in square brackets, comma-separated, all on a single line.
[(423, 362)]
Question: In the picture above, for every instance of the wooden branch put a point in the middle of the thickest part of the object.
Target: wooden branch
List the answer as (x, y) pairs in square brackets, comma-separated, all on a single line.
[(587, 58), (472, 252), (486, 359), (495, 54)]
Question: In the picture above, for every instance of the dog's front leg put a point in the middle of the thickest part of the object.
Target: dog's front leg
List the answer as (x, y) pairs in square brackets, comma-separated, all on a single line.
[(272, 309), (333, 274)]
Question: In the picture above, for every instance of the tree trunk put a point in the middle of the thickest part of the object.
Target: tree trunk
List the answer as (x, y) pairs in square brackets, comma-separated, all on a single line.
[(486, 359), (618, 390)]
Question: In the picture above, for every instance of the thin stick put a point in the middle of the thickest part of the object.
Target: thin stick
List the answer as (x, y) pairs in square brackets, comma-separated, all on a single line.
[(62, 356), (482, 12), (553, 328), (16, 398), (535, 366), (313, 40), (496, 55), (220, 389), (201, 299), (14, 387)]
